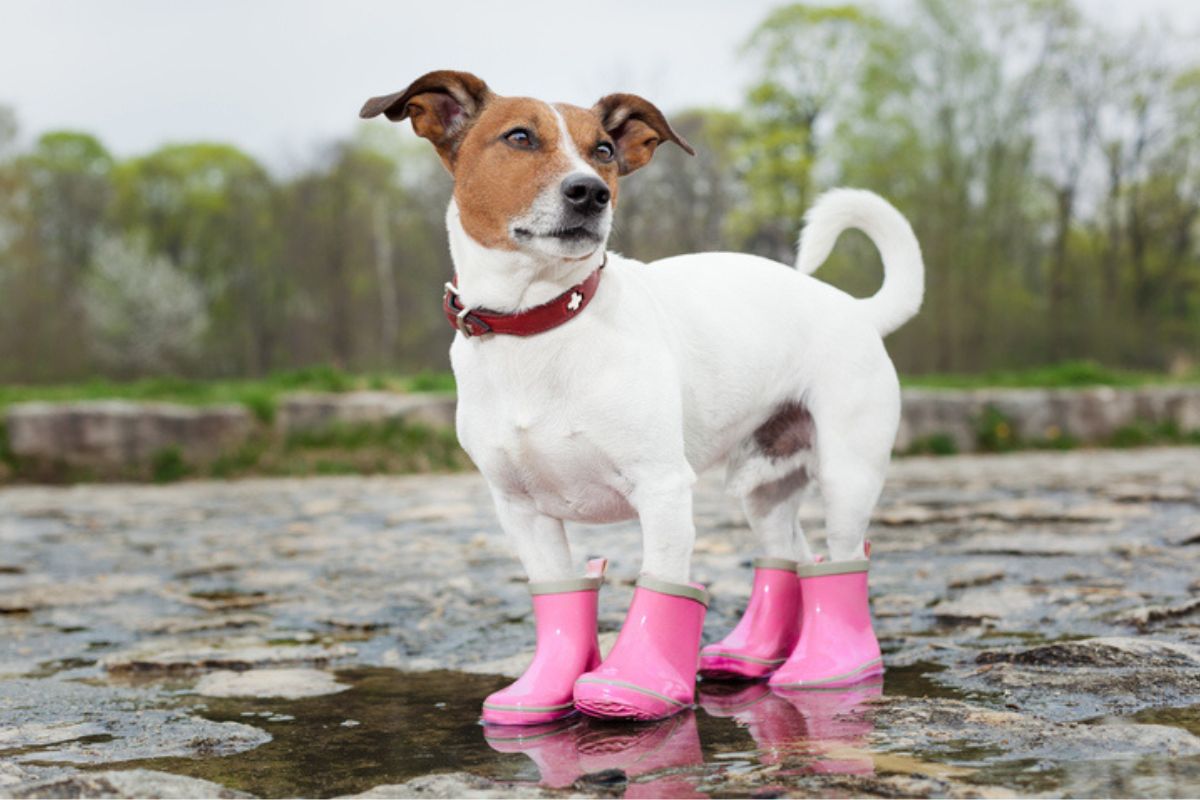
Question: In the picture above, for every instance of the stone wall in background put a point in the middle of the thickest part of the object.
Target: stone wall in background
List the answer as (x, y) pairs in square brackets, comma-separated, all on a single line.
[(305, 411), (967, 420), (117, 437), (106, 436)]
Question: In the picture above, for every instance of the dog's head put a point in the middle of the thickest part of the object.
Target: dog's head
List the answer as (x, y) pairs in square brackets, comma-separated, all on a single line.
[(530, 176)]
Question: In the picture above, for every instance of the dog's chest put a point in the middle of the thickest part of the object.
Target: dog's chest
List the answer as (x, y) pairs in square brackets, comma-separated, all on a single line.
[(530, 436)]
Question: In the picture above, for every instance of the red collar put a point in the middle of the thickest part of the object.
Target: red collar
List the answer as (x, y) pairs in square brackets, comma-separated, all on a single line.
[(478, 321)]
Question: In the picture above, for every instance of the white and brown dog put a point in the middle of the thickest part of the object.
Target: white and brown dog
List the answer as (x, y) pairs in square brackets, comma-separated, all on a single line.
[(594, 388)]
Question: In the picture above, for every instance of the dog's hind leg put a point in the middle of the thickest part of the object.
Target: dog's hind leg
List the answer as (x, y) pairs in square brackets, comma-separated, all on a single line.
[(837, 645), (768, 629), (857, 434), (850, 486), (772, 510)]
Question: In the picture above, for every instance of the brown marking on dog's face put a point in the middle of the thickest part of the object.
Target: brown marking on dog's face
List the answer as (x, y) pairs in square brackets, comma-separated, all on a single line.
[(786, 432), (509, 157), (590, 140), (513, 153)]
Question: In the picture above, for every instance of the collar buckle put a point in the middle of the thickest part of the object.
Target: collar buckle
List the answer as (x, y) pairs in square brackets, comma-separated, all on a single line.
[(464, 318)]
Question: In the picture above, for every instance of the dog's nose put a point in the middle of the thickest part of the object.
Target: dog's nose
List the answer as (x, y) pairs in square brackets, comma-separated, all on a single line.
[(586, 193)]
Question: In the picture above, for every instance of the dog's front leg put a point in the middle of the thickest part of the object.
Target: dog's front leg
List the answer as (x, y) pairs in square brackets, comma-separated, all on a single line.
[(651, 671), (564, 612), (664, 506), (540, 540)]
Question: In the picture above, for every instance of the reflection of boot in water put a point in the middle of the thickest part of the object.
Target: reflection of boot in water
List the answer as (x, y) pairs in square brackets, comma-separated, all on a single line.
[(773, 723), (643, 748), (551, 746), (837, 724)]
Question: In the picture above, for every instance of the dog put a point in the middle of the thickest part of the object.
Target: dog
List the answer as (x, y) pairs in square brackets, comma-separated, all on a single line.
[(594, 388)]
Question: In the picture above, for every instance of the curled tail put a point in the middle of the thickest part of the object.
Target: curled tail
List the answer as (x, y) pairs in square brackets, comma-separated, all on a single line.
[(899, 299)]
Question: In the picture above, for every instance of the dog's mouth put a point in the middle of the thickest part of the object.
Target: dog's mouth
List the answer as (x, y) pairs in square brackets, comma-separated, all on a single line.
[(575, 233)]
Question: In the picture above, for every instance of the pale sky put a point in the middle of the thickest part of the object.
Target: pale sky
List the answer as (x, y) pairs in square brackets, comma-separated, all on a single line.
[(278, 78)]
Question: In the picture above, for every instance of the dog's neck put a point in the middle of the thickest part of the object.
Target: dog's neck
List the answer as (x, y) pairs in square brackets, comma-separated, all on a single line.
[(509, 280)]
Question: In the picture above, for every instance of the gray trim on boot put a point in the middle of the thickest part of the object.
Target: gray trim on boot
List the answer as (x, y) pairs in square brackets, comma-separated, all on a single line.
[(776, 563), (832, 568), (567, 585), (676, 589)]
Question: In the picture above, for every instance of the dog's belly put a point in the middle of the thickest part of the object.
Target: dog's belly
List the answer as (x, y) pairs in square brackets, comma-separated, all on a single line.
[(593, 503)]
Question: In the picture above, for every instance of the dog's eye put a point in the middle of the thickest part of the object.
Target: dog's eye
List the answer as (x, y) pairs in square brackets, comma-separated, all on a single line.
[(604, 152), (520, 138)]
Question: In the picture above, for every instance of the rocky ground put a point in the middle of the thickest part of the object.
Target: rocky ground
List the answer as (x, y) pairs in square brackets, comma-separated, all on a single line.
[(1040, 615)]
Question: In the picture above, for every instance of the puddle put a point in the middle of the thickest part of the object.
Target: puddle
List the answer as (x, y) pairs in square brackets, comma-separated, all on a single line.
[(408, 724), (741, 740), (1186, 718), (390, 727)]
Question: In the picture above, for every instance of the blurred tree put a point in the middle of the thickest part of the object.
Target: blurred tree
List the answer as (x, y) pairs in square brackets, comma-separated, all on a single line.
[(679, 203), (211, 209), (57, 201), (368, 249), (1050, 167), (809, 60), (146, 316)]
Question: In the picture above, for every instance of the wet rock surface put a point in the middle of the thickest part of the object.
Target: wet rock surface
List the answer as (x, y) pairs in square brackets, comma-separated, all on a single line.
[(128, 783), (1039, 615)]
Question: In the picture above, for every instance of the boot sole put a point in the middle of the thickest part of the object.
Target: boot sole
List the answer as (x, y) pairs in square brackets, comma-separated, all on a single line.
[(734, 667), (871, 669), (606, 699)]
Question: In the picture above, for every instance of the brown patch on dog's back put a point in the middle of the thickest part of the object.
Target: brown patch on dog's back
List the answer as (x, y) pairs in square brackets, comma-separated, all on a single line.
[(786, 432)]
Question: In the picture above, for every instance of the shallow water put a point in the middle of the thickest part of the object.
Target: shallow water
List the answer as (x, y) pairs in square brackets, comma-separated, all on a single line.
[(741, 740)]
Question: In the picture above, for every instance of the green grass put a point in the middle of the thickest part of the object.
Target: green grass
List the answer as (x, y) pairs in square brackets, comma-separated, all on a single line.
[(168, 466), (1064, 375), (260, 395), (366, 449)]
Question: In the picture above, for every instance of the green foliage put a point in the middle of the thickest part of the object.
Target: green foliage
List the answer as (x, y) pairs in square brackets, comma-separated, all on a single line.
[(317, 378), (1069, 374), (390, 447), (168, 466), (261, 396), (1144, 434), (243, 461), (937, 444), (778, 143), (8, 459), (994, 432), (432, 382)]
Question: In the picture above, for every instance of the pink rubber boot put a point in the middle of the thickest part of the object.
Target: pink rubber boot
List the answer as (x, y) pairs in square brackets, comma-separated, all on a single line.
[(767, 631), (651, 671), (837, 645), (565, 615)]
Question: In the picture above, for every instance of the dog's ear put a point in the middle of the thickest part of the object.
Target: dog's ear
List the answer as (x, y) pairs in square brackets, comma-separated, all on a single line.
[(440, 104), (637, 127)]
